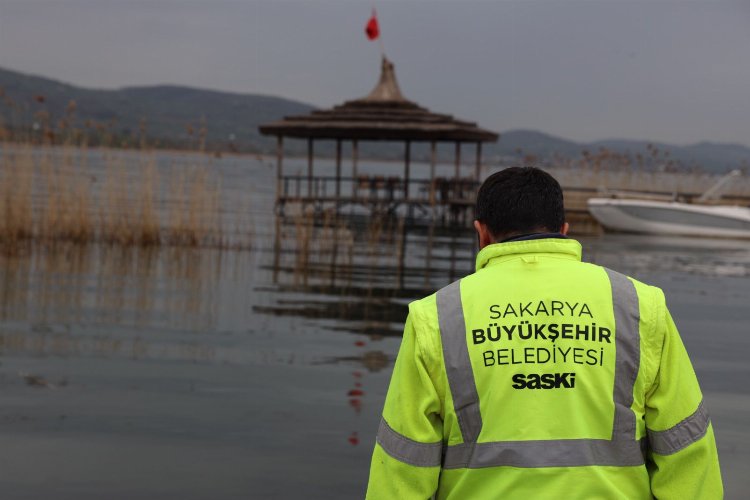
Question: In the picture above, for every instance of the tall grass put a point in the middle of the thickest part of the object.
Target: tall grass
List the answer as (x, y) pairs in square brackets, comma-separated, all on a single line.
[(53, 196), (16, 219)]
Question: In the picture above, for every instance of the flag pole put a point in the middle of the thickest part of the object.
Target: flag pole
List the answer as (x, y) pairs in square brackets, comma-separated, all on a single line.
[(380, 34)]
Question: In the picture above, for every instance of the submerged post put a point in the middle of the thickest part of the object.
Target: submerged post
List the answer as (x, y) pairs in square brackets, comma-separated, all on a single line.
[(407, 161), (458, 159), (478, 171), (433, 161), (279, 165)]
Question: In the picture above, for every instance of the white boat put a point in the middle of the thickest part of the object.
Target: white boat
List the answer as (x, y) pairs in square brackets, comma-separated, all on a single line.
[(637, 215)]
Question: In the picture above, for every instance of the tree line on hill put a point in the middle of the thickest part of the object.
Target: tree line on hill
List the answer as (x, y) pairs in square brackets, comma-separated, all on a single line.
[(39, 110)]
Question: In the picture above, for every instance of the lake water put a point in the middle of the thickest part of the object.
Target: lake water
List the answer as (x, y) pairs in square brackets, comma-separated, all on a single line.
[(261, 373)]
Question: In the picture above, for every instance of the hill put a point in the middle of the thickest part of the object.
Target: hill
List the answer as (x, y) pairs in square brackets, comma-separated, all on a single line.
[(178, 116), (706, 155), (168, 114)]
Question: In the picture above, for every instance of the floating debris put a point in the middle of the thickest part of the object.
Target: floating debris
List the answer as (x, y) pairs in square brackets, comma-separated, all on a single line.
[(354, 439), (39, 381)]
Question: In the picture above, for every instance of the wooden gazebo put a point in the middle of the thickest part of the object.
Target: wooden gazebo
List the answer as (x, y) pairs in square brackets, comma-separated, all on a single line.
[(383, 115)]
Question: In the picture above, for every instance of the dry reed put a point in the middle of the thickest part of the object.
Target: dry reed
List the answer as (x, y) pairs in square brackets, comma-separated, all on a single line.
[(16, 222), (51, 195)]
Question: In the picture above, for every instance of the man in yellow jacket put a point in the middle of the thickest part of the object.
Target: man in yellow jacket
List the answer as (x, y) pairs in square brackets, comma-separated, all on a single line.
[(540, 376)]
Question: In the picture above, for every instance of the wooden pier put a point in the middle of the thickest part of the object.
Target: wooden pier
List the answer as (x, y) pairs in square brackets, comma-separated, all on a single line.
[(441, 200), (436, 199)]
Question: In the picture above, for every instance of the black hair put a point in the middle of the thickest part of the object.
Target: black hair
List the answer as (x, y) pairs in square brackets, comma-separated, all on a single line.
[(520, 200)]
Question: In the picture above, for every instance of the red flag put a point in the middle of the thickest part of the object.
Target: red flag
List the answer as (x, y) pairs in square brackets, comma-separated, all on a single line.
[(372, 30)]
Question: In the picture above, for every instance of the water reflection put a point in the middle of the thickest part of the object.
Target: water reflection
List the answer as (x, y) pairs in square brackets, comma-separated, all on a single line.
[(349, 275), (39, 343), (642, 255), (171, 349), (69, 300), (361, 271)]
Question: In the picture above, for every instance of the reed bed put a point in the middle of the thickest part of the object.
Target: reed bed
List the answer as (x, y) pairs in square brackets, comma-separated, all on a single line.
[(52, 195), (666, 182), (653, 170)]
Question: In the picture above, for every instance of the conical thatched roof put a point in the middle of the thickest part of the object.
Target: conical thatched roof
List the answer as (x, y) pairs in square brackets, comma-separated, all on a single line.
[(384, 114)]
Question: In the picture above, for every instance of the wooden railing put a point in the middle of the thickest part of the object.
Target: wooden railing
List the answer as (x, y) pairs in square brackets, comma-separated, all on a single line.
[(376, 189), (367, 189)]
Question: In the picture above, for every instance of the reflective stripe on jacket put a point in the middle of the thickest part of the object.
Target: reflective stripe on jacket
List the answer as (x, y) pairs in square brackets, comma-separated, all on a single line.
[(540, 376)]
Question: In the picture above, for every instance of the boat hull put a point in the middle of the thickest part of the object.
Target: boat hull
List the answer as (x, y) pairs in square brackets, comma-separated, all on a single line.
[(671, 218)]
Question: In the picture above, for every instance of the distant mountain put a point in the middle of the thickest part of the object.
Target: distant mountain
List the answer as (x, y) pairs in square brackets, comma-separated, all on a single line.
[(168, 114), (174, 116), (707, 155), (515, 142)]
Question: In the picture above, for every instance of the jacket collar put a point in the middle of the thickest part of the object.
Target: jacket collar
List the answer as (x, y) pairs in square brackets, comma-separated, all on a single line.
[(534, 236), (499, 252)]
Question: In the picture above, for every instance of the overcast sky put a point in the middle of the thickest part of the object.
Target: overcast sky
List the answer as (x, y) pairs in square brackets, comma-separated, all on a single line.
[(674, 71)]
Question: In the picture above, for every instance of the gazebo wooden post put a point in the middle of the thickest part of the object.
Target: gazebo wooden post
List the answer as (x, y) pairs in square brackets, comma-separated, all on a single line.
[(428, 259), (458, 159), (338, 169), (478, 171), (309, 167), (277, 249), (407, 162), (279, 165), (433, 161), (456, 191), (355, 159), (402, 252)]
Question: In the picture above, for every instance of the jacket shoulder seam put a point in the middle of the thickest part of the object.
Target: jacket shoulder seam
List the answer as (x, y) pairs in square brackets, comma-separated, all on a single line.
[(420, 325)]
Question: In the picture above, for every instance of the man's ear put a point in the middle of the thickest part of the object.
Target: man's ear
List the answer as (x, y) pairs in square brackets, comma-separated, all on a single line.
[(485, 237), (564, 229)]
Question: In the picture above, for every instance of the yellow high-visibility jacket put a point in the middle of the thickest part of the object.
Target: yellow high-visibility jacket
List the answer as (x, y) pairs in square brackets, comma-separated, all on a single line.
[(540, 376)]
